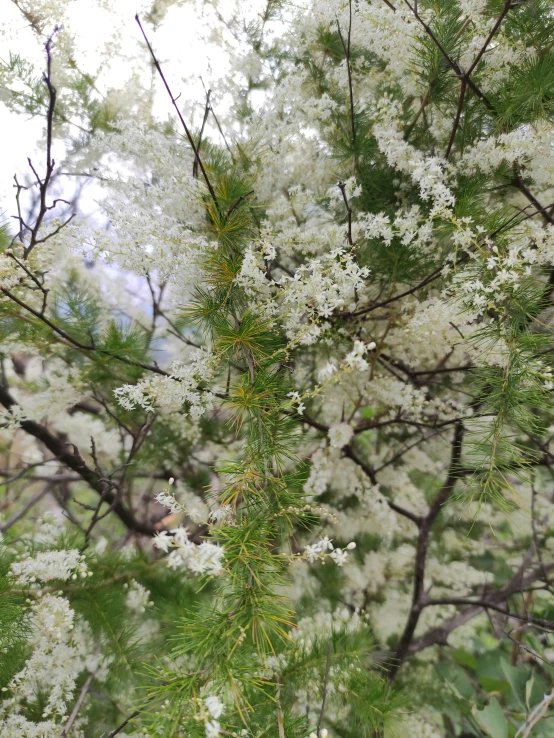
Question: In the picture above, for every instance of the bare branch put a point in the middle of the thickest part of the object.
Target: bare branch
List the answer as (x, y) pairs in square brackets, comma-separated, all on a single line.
[(25, 509), (78, 705), (342, 188), (185, 127), (418, 597), (44, 183)]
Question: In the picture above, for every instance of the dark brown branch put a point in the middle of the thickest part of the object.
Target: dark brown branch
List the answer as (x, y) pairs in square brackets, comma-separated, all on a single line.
[(342, 188), (74, 461), (486, 604), (43, 184), (452, 62), (32, 276), (466, 78), (522, 187), (218, 124), (527, 217), (349, 452), (439, 634), (54, 232), (119, 728), (418, 597), (238, 202), (363, 311), (494, 29), (19, 217), (463, 88), (78, 344)]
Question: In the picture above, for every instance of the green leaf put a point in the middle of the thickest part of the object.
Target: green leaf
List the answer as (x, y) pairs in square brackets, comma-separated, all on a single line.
[(491, 719), (517, 679)]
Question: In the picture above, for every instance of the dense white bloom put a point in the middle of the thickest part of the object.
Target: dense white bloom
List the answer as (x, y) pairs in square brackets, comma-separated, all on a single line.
[(204, 558), (48, 565), (179, 390), (61, 650), (138, 597), (340, 435), (214, 705)]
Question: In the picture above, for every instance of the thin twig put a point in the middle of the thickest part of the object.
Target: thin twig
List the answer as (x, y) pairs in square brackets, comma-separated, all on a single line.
[(43, 184), (461, 100), (536, 715), (218, 124), (238, 202), (185, 127), (342, 188), (132, 716), (25, 509), (199, 144), (452, 62), (418, 597), (78, 705)]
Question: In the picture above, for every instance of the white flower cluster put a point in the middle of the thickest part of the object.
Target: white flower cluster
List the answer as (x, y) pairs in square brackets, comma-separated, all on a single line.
[(196, 509), (10, 274), (138, 597), (174, 391), (385, 31), (431, 174), (528, 147), (501, 270), (331, 471), (48, 565), (211, 709), (324, 548), (57, 389), (317, 289), (355, 359), (251, 277), (61, 650), (340, 435), (410, 227), (296, 401), (205, 558), (167, 500)]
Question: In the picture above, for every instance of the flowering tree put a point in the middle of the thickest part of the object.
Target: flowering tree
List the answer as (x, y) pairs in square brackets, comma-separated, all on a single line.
[(276, 437)]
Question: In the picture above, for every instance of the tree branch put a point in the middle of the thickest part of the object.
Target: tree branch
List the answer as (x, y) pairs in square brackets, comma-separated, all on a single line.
[(74, 461), (439, 634), (418, 596)]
